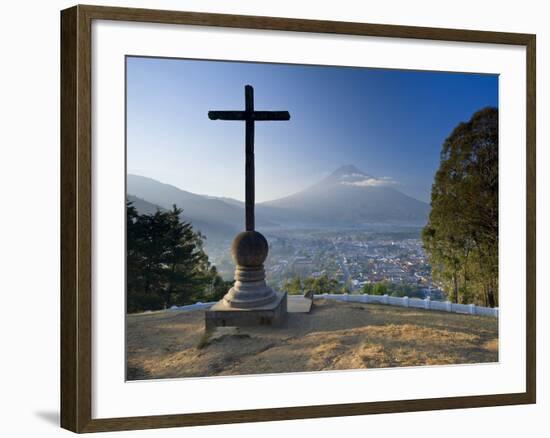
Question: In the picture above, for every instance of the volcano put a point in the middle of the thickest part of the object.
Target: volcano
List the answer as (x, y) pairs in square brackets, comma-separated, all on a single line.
[(348, 197)]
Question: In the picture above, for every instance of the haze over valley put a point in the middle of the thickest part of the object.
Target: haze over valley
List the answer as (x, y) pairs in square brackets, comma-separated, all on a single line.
[(348, 197), (350, 226)]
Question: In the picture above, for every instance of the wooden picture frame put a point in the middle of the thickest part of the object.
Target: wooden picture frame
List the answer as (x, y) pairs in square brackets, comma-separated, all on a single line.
[(76, 218)]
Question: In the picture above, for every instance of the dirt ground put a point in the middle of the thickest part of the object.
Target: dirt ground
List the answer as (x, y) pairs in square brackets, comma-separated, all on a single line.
[(334, 336)]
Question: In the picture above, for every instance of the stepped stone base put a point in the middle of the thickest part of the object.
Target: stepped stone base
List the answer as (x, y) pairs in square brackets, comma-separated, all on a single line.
[(271, 314)]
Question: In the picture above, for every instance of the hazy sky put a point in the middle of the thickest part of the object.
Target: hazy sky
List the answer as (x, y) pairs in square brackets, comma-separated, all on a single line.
[(388, 123)]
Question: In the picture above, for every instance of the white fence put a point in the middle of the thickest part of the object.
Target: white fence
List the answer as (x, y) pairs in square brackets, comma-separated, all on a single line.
[(445, 306), (196, 306)]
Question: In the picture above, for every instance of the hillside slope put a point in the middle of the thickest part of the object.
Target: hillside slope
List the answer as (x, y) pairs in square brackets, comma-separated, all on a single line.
[(334, 336)]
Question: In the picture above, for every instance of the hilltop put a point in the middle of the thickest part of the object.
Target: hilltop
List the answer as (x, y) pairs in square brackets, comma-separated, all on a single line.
[(334, 336)]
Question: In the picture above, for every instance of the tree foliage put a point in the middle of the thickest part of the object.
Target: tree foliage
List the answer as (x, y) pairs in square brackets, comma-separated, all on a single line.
[(319, 285), (166, 262), (461, 237), (393, 289)]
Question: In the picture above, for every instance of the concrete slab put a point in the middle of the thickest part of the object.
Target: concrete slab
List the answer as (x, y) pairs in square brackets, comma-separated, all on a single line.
[(299, 304)]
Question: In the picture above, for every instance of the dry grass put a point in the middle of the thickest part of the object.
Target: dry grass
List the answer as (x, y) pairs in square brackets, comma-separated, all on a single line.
[(334, 336)]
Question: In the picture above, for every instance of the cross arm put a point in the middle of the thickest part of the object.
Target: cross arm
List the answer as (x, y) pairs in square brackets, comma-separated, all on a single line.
[(227, 115), (270, 115), (259, 116)]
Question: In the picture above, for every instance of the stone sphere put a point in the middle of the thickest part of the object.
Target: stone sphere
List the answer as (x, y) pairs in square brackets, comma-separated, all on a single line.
[(249, 249)]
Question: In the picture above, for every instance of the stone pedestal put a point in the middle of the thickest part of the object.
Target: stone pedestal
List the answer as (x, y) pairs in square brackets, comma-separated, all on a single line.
[(250, 302), (271, 314)]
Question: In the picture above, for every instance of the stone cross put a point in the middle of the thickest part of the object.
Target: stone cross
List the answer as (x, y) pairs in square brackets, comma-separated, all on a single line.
[(249, 116), (250, 301)]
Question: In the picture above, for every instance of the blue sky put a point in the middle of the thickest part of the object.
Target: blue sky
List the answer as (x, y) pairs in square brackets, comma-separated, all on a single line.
[(388, 123)]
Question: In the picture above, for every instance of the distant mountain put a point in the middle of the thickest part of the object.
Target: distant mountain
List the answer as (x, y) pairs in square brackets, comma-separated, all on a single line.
[(142, 206), (229, 201), (215, 217), (348, 197)]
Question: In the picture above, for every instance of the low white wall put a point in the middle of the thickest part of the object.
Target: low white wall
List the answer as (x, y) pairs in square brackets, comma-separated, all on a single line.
[(196, 306), (445, 306)]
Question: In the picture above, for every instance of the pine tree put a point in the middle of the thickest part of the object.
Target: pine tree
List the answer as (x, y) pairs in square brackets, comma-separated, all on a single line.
[(133, 259), (166, 262)]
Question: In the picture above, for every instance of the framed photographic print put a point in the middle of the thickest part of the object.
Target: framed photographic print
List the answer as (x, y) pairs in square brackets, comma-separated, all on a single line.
[(268, 218)]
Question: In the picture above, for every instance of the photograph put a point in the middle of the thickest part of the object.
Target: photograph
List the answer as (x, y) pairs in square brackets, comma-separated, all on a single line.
[(275, 218), (297, 218)]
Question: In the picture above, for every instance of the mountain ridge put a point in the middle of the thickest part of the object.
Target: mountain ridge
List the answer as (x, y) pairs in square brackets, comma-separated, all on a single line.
[(346, 197)]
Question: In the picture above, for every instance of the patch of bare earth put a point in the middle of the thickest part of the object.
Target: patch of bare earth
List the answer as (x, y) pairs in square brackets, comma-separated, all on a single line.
[(334, 336)]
